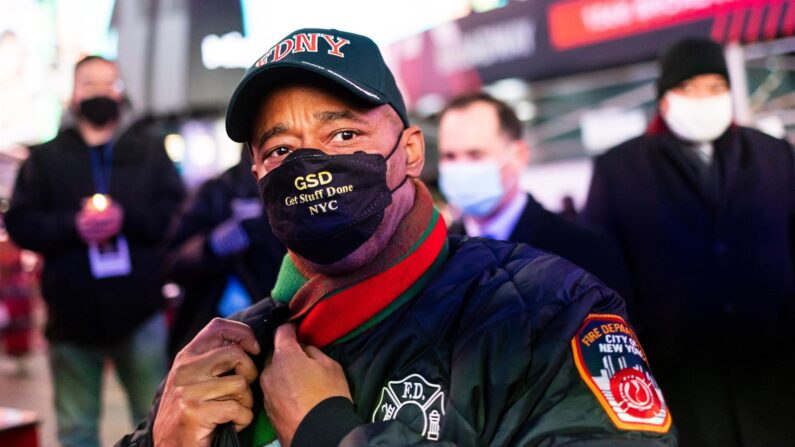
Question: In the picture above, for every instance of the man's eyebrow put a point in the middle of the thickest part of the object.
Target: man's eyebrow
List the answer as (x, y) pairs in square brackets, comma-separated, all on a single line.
[(272, 132), (327, 116)]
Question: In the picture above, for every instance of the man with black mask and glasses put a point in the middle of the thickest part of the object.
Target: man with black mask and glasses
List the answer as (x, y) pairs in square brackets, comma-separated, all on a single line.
[(95, 202), (380, 329)]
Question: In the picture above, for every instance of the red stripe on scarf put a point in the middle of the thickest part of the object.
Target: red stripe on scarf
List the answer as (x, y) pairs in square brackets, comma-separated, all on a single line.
[(338, 315)]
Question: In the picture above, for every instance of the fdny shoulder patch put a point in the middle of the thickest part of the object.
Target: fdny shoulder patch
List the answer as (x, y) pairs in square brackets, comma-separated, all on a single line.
[(414, 401), (613, 365)]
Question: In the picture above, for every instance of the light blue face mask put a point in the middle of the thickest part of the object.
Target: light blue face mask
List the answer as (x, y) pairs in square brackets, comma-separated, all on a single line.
[(473, 187)]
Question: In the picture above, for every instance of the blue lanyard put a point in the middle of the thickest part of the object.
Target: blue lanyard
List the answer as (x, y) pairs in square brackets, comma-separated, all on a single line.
[(101, 167)]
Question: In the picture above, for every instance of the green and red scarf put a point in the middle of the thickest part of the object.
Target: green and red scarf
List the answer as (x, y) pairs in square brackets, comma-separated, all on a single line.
[(333, 308)]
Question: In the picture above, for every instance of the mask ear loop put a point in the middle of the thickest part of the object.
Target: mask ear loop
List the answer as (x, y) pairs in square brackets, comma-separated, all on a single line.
[(504, 162), (392, 152), (397, 143), (405, 179)]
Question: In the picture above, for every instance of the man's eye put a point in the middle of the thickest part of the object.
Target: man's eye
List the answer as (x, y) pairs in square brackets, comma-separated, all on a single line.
[(476, 155), (344, 135), (278, 152)]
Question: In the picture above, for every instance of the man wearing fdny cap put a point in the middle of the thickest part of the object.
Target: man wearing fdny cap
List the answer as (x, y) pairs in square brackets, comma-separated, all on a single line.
[(704, 211), (381, 330)]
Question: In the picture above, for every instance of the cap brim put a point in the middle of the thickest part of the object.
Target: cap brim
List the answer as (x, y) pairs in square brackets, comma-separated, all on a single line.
[(246, 98)]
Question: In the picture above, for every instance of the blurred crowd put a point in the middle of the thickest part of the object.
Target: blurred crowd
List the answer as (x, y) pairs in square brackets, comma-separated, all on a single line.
[(692, 223)]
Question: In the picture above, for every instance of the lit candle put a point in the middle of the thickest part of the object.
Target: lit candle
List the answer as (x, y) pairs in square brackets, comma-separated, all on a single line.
[(99, 202)]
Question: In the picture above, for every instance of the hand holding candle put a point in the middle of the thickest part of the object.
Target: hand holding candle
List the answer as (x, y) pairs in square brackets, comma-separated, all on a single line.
[(100, 219)]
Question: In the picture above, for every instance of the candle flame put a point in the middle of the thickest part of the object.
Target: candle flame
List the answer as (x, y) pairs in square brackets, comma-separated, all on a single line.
[(99, 202)]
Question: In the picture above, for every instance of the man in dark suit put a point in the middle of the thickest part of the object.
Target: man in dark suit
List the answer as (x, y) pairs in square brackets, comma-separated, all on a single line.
[(703, 211), (481, 157)]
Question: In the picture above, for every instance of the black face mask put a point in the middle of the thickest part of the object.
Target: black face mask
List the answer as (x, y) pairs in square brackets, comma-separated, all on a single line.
[(323, 207), (99, 110)]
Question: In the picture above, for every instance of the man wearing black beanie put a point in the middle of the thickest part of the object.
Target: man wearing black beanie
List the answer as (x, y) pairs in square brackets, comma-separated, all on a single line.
[(704, 212)]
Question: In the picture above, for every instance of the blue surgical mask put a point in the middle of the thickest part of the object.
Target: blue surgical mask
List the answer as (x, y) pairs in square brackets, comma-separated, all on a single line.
[(474, 188)]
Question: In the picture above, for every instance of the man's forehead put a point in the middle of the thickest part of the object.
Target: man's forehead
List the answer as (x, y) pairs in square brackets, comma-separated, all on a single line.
[(479, 110), (97, 68), (473, 128), (474, 119)]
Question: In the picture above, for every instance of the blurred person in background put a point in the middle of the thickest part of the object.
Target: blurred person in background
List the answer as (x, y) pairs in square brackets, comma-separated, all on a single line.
[(381, 330), (222, 252), (95, 202), (703, 210), (482, 154), (17, 293)]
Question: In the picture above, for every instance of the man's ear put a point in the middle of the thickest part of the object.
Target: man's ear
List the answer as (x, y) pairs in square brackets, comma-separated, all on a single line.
[(662, 105), (415, 151), (73, 105), (520, 153)]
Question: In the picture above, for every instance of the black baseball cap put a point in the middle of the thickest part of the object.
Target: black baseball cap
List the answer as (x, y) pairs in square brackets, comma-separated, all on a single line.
[(350, 60), (688, 58)]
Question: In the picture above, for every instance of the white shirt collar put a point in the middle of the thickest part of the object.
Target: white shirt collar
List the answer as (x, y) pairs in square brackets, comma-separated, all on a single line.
[(501, 225)]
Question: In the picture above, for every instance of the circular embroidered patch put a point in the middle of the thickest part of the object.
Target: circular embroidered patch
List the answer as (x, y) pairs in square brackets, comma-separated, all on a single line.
[(612, 363), (635, 393)]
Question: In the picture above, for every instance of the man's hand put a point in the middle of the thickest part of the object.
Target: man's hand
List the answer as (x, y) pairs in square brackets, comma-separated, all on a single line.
[(297, 378), (96, 226), (199, 395)]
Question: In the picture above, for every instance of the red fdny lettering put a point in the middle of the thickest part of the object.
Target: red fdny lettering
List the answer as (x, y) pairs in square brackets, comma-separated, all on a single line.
[(303, 42), (284, 48), (335, 47), (264, 59)]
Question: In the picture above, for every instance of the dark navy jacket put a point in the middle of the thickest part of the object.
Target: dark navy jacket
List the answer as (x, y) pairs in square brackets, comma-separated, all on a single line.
[(710, 251), (481, 357)]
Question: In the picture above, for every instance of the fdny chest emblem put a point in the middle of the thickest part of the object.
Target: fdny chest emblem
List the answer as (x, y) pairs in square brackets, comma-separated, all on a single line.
[(613, 365), (414, 401)]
